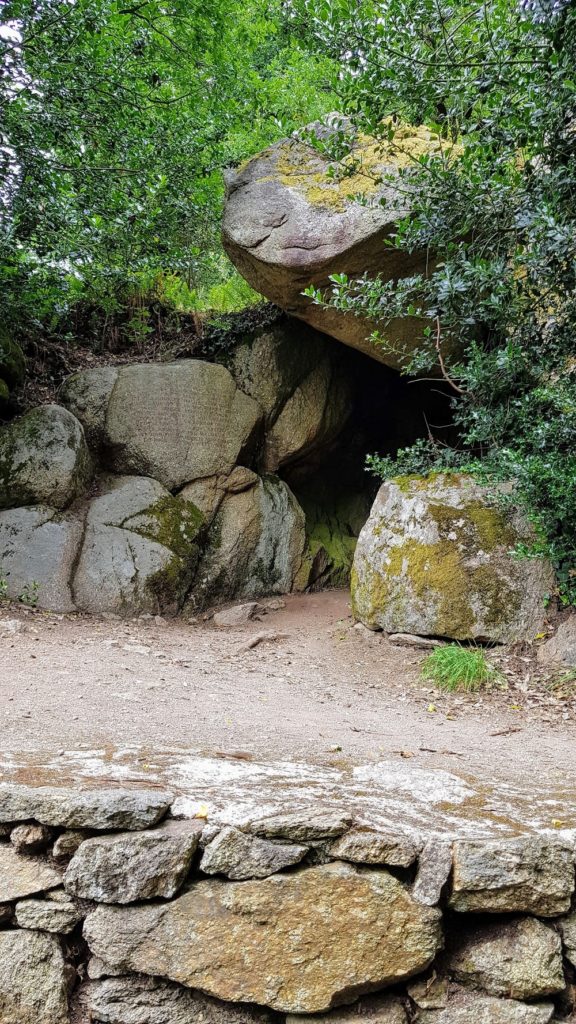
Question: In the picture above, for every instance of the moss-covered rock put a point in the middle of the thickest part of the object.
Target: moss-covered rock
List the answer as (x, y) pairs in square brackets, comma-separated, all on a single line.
[(436, 558), (140, 549), (12, 362), (44, 459), (291, 219)]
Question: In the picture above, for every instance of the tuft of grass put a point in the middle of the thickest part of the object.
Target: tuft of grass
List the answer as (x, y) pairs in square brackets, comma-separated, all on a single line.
[(454, 668)]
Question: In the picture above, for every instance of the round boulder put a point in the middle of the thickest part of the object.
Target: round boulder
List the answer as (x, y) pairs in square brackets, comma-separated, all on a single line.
[(175, 422), (436, 558), (44, 459), (292, 220)]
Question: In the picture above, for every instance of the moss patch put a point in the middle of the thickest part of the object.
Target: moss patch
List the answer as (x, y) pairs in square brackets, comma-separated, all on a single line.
[(172, 522)]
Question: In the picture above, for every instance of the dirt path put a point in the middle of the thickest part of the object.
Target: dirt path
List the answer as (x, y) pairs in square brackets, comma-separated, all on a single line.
[(314, 689)]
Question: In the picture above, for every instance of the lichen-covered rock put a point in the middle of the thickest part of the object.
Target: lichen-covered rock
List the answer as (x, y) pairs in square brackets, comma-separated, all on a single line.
[(381, 1009), (239, 856), (12, 361), (568, 928), (12, 367), (290, 370), (434, 868), (519, 958), (23, 876), (34, 979), (365, 846), (255, 545), (175, 422), (435, 559), (475, 1008), (140, 549), (299, 943), (44, 459), (78, 808), (302, 826), (131, 866), (289, 223), (38, 551), (532, 874), (136, 999), (60, 917)]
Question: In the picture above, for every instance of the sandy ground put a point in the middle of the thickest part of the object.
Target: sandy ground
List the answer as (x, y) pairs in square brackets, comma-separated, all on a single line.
[(313, 689)]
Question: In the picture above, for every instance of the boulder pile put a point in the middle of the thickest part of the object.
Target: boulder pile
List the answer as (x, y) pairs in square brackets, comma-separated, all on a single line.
[(154, 486)]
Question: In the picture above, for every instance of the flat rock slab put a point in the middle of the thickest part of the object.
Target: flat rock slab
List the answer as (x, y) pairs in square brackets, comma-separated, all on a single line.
[(369, 847), (88, 808), (136, 999), (239, 856), (476, 1008), (33, 979), (519, 959), (298, 943), (48, 915), (252, 794), (381, 1009), (532, 874), (22, 876), (131, 866)]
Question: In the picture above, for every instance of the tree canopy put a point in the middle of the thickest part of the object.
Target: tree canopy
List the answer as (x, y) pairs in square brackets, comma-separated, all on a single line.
[(117, 121)]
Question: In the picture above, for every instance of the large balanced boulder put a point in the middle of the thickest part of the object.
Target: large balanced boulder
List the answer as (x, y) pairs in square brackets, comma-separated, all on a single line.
[(255, 544), (175, 422), (291, 371), (298, 943), (291, 220), (44, 459), (140, 549), (436, 558)]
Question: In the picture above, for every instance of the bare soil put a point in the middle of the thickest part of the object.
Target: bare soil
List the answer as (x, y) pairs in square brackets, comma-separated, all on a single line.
[(312, 687)]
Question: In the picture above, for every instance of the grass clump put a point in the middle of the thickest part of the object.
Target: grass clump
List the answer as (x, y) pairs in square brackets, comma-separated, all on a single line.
[(455, 668)]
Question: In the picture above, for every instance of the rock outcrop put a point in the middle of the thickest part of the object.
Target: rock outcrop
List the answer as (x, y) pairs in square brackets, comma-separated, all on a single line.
[(291, 220), (305, 396), (435, 558), (255, 545)]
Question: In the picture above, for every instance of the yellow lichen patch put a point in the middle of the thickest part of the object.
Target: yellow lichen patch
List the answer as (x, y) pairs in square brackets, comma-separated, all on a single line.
[(359, 173)]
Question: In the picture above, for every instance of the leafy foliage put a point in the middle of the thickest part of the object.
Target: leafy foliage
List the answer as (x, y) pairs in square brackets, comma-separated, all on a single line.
[(497, 218), (454, 668), (117, 119)]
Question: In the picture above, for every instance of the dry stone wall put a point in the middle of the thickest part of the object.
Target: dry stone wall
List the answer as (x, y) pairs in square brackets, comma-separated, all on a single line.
[(115, 910)]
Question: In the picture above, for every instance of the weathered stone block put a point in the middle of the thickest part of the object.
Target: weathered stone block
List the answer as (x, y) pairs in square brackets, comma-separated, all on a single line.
[(299, 943)]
